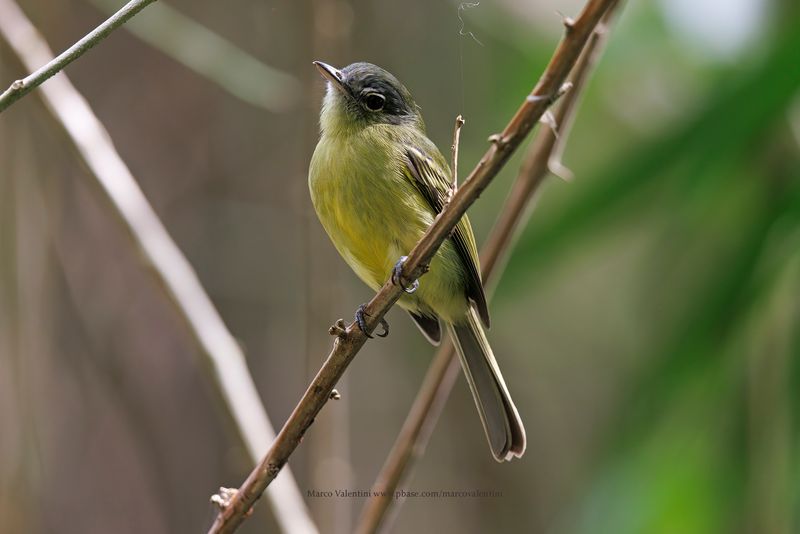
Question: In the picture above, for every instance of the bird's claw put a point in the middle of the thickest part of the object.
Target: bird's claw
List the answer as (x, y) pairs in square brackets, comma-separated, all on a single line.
[(362, 323), (397, 273)]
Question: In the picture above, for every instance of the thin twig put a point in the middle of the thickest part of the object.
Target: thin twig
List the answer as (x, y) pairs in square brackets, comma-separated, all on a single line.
[(222, 354), (22, 87), (444, 369), (347, 345), (454, 152)]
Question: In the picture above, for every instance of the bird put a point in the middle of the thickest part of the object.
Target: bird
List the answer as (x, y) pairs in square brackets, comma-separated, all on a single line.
[(377, 183)]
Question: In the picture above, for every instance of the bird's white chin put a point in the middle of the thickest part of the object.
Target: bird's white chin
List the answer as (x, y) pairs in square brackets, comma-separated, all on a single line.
[(333, 118)]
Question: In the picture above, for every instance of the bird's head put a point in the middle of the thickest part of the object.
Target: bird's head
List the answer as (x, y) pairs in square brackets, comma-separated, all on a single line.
[(363, 94)]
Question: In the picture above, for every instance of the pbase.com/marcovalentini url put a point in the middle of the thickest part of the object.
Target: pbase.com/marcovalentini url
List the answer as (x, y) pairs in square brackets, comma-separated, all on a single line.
[(404, 494)]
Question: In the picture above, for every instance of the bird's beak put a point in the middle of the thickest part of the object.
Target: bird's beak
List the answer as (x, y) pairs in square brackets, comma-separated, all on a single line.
[(333, 75)]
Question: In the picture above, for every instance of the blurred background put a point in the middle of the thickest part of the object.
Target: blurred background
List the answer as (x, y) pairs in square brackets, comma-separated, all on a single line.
[(648, 323)]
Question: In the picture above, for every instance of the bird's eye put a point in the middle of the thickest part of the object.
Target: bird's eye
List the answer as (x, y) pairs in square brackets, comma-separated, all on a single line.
[(374, 101)]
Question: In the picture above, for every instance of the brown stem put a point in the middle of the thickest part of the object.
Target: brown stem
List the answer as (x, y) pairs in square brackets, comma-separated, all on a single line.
[(544, 153), (454, 151), (347, 345)]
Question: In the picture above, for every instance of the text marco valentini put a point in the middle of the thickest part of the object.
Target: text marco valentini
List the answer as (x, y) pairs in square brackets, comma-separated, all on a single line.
[(400, 494)]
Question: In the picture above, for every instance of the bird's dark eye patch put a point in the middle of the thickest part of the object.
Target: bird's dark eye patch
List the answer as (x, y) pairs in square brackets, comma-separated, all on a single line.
[(374, 101)]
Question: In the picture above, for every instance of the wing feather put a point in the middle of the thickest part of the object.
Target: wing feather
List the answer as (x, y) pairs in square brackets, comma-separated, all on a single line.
[(430, 177)]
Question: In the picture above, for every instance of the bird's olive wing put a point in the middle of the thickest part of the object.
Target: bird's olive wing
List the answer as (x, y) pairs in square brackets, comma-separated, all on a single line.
[(431, 180)]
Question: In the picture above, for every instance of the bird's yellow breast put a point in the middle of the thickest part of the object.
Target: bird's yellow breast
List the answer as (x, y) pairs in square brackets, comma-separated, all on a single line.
[(373, 215), (363, 205)]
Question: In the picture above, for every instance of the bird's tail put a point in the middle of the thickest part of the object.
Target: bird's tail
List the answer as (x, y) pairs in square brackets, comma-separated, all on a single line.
[(498, 414)]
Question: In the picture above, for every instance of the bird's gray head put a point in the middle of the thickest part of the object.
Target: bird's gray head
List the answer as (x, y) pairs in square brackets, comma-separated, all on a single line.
[(362, 94)]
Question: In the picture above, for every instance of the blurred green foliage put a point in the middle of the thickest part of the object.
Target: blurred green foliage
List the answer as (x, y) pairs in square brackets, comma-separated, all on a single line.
[(721, 188)]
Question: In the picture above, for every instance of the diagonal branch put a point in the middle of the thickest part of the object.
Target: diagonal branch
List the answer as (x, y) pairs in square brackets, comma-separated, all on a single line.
[(222, 355), (350, 341), (22, 87), (544, 154)]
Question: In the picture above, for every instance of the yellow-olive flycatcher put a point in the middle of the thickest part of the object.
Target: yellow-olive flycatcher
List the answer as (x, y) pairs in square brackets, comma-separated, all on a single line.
[(377, 183)]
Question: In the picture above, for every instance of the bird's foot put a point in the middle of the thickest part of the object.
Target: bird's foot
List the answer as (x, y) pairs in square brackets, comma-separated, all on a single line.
[(362, 323), (397, 273)]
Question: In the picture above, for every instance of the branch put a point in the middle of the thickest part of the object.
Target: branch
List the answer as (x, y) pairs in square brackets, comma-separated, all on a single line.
[(222, 355), (22, 87), (543, 154), (350, 341), (454, 153)]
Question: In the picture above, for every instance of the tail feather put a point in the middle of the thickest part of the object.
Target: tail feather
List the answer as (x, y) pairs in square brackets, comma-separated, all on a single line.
[(499, 416)]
